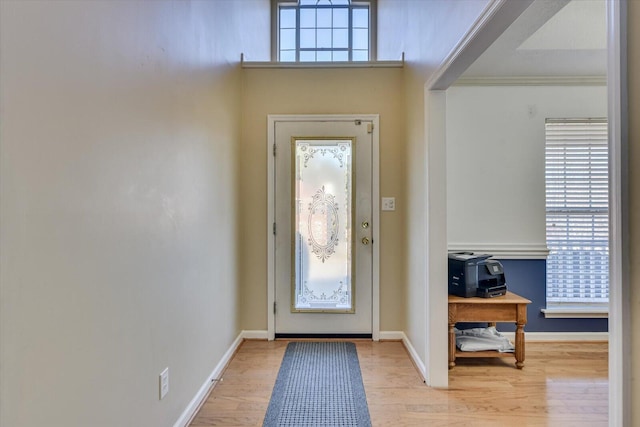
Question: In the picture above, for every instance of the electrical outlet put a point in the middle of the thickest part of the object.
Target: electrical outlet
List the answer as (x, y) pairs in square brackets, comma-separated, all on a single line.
[(388, 203), (164, 383)]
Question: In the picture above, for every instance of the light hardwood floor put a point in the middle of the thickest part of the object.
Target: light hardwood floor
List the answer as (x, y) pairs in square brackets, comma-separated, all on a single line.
[(562, 384)]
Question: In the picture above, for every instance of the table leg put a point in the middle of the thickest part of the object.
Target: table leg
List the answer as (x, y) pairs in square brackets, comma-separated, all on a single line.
[(452, 346), (520, 345), (521, 320)]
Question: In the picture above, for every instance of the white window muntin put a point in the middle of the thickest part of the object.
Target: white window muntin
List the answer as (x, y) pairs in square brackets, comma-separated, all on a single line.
[(324, 30)]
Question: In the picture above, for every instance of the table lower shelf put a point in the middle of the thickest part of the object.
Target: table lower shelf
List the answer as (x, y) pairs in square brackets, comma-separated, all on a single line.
[(489, 353), (506, 308)]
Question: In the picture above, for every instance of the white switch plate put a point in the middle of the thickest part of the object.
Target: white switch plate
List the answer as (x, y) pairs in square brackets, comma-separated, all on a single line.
[(164, 383), (388, 203)]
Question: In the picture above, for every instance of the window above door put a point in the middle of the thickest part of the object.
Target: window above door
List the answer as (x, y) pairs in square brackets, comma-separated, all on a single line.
[(323, 30)]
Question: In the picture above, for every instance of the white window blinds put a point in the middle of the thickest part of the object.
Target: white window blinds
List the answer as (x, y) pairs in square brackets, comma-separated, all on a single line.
[(577, 212)]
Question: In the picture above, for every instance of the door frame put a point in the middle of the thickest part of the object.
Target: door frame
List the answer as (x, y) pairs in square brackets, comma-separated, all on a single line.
[(272, 119)]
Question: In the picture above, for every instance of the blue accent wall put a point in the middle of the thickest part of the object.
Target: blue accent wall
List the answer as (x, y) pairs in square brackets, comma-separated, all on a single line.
[(527, 278)]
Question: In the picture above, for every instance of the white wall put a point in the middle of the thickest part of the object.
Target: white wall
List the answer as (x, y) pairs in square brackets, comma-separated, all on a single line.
[(495, 160), (120, 122)]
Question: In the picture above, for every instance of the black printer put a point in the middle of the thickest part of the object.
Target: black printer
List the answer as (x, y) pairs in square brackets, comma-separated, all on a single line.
[(472, 275)]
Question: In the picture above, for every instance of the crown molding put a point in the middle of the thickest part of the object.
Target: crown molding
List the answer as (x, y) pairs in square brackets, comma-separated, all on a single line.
[(533, 81)]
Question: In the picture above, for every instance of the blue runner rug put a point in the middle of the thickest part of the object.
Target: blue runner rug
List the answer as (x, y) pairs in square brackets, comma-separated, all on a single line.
[(319, 384)]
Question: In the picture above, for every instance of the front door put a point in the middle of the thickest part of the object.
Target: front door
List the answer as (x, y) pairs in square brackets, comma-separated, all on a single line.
[(323, 227)]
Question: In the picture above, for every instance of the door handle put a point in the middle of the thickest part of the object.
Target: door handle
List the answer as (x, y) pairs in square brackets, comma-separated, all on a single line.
[(365, 240), (365, 224)]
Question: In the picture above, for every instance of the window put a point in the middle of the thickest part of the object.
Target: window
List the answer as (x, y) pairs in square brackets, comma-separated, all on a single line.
[(577, 214), (324, 30)]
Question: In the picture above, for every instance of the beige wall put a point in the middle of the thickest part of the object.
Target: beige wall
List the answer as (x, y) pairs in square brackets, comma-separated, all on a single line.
[(119, 140), (315, 91), (633, 51), (416, 216)]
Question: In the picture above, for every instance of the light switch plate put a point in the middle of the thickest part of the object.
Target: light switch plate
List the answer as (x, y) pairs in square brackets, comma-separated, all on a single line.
[(388, 203)]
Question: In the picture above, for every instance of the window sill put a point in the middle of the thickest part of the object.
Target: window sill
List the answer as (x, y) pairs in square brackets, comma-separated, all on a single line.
[(576, 312), (355, 64)]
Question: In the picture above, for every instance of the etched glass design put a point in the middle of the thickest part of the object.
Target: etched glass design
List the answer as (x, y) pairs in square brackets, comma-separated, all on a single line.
[(322, 189)]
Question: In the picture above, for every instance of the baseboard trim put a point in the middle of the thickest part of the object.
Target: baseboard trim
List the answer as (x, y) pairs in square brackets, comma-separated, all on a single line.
[(401, 336), (255, 335), (192, 408), (561, 336), (392, 336)]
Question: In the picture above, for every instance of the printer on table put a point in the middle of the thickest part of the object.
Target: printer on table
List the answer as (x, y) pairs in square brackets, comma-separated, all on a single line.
[(472, 275)]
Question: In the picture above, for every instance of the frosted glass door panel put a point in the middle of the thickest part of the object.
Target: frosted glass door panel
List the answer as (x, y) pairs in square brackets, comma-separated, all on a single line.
[(322, 225)]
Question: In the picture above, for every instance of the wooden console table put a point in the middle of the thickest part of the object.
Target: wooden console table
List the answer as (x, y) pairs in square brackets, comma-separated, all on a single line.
[(506, 308)]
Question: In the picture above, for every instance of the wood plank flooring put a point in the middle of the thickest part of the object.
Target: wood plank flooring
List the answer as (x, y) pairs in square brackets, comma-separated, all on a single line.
[(562, 384)]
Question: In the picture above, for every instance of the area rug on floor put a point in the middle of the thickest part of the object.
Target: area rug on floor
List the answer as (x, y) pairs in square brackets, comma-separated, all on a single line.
[(319, 384)]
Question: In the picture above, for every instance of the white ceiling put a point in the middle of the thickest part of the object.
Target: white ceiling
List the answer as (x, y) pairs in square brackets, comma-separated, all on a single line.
[(552, 38)]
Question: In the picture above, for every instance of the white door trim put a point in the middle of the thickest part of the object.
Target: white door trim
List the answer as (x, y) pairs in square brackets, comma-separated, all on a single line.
[(375, 199), (620, 354)]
